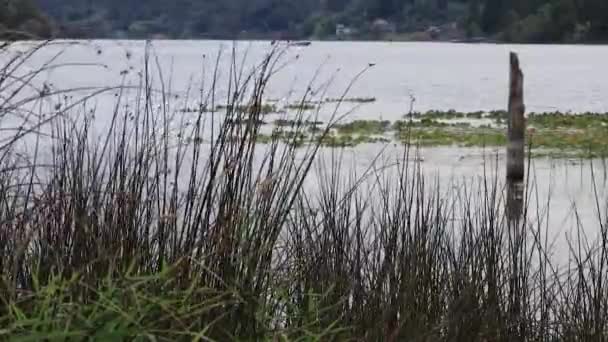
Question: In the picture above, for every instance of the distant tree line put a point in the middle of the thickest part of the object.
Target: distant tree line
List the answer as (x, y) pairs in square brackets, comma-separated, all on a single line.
[(541, 20), (508, 20), (21, 19)]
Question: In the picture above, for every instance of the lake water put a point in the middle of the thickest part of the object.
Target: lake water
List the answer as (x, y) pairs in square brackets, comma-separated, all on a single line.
[(438, 76), (463, 77)]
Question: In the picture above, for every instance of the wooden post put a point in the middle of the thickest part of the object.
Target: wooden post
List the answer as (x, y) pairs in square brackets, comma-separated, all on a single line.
[(516, 143)]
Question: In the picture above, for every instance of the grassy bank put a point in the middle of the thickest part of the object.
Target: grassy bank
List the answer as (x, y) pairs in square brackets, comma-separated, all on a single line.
[(142, 235)]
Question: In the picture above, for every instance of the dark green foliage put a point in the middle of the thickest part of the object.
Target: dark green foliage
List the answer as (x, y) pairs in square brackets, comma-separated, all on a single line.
[(508, 20), (22, 19), (544, 20)]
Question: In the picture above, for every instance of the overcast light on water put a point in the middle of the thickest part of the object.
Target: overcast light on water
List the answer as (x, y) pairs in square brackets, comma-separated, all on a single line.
[(399, 76)]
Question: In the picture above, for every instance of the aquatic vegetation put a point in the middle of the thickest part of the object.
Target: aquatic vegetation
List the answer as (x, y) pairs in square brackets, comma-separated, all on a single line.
[(451, 136), (314, 129), (562, 120), (200, 109), (245, 121), (301, 106), (421, 122), (265, 108), (348, 140), (496, 114), (366, 127), (300, 138), (437, 114), (351, 99), (466, 125), (593, 141), (564, 134), (291, 123), (452, 114)]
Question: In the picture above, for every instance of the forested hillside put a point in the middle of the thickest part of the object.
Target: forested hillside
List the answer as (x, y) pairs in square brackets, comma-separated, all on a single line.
[(507, 20), (22, 19)]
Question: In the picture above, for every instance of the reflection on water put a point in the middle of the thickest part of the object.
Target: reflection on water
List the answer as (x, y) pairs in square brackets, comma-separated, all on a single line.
[(561, 194)]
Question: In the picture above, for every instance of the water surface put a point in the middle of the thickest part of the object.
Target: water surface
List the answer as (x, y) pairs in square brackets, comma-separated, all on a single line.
[(399, 76)]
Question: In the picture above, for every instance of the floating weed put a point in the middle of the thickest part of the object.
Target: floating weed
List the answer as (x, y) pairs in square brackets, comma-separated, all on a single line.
[(368, 127), (245, 121), (200, 109), (584, 134), (301, 106), (452, 114), (351, 99), (292, 123), (451, 136), (349, 140), (315, 129), (300, 139), (496, 114), (590, 142), (423, 122), (265, 108), (436, 114), (475, 115), (265, 138), (487, 138), (465, 125), (560, 120)]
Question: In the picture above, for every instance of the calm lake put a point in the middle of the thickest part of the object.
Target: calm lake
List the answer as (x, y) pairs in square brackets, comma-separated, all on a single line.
[(464, 77), (426, 76)]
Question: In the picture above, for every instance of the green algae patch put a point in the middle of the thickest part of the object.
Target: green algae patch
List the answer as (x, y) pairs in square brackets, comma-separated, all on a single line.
[(559, 120), (549, 134), (364, 127), (450, 136), (592, 142)]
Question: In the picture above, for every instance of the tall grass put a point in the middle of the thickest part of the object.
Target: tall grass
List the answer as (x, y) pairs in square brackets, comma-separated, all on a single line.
[(152, 232)]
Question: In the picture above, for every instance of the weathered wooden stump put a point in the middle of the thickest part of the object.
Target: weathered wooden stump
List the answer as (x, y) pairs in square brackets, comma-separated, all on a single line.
[(516, 141)]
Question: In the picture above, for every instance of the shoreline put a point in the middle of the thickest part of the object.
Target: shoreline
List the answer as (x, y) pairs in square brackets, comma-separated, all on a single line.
[(311, 40)]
